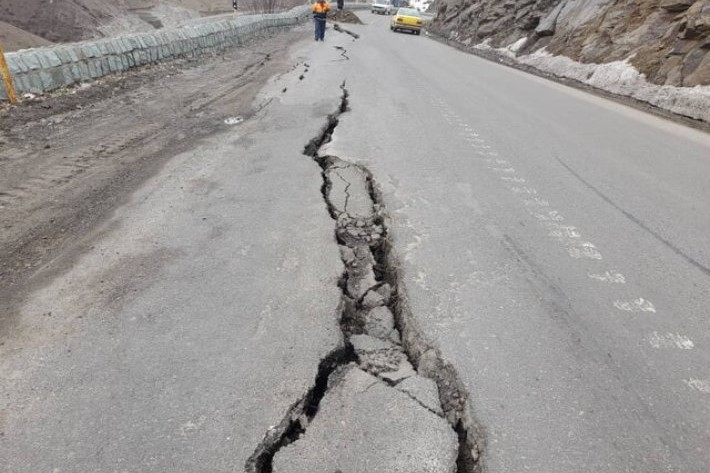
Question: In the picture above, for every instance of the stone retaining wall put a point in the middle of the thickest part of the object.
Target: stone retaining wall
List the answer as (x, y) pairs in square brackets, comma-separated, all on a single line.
[(45, 69)]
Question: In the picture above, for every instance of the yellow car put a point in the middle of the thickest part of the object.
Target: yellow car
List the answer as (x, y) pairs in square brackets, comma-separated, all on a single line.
[(407, 19)]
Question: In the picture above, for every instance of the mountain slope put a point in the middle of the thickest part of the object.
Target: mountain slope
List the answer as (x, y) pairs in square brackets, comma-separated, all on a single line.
[(667, 40)]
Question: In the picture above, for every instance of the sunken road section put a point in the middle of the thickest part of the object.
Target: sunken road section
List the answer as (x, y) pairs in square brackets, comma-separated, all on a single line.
[(384, 400)]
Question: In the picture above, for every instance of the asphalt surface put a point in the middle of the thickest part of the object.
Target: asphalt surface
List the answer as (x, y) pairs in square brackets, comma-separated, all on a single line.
[(555, 246), (197, 313)]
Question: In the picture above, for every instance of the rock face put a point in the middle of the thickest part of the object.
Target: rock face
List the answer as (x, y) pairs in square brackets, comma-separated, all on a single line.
[(667, 40)]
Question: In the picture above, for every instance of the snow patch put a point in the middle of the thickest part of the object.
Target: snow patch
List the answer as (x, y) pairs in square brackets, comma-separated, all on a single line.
[(620, 77), (233, 120)]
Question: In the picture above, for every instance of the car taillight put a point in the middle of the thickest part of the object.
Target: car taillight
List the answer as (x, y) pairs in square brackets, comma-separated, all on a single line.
[(419, 22)]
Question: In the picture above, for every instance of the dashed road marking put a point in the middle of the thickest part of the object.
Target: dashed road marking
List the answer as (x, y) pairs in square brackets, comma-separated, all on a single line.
[(637, 305), (568, 235), (702, 385), (670, 340), (585, 250), (610, 277)]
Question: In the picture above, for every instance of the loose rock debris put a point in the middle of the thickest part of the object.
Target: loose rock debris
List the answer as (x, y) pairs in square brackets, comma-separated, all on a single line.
[(384, 400)]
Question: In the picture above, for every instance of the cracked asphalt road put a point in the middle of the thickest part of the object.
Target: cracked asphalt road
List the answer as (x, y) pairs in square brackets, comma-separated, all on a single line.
[(553, 246), (182, 326)]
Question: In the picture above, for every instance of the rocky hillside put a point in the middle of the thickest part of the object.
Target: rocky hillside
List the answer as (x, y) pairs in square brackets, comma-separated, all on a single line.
[(667, 40)]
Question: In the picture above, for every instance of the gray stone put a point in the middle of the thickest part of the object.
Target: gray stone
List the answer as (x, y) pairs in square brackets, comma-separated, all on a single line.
[(379, 322), (385, 290), (362, 275), (347, 254), (63, 55), (102, 46), (404, 371), (549, 23), (348, 192), (35, 83), (31, 60), (15, 64), (367, 344), (94, 68), (372, 299), (84, 73), (48, 58), (364, 426), (423, 390), (676, 6)]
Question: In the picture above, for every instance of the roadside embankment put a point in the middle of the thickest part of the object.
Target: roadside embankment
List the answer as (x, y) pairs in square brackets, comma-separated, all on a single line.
[(46, 69)]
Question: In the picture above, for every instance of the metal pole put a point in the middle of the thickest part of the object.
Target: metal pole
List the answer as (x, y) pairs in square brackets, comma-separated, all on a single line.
[(7, 78)]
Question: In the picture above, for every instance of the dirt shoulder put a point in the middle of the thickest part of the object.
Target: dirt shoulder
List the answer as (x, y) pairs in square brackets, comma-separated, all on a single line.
[(67, 160)]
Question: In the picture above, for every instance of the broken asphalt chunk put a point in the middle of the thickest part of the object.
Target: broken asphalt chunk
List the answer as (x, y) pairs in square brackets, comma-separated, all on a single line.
[(365, 426)]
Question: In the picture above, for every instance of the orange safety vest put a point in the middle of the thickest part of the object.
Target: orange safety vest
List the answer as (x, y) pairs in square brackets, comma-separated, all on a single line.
[(319, 7)]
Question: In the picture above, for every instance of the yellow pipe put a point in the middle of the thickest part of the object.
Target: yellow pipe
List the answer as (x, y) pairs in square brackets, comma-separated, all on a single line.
[(7, 78)]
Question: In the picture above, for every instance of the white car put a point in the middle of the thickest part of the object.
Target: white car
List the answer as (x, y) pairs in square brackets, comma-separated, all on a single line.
[(383, 7)]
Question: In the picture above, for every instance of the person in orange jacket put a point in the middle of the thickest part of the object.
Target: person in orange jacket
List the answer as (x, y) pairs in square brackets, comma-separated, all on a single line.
[(320, 10)]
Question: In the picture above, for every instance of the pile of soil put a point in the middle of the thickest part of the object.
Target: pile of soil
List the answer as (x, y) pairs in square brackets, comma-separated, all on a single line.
[(13, 39), (343, 16)]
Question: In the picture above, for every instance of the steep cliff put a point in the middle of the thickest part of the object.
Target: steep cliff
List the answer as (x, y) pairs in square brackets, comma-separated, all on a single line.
[(667, 40)]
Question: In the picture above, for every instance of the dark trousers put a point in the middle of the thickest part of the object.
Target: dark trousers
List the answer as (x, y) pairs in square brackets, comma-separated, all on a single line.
[(320, 28)]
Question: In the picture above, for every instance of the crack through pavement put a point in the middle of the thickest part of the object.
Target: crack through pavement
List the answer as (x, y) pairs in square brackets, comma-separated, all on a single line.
[(371, 284), (340, 29), (343, 52)]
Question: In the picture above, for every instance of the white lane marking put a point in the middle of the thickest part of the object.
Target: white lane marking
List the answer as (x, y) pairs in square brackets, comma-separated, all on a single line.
[(563, 231), (537, 201), (524, 190), (670, 340), (505, 170), (637, 305), (584, 250), (550, 216), (702, 385), (610, 277), (517, 180)]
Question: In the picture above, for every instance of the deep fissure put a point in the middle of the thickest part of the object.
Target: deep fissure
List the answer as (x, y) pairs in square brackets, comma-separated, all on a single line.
[(366, 247)]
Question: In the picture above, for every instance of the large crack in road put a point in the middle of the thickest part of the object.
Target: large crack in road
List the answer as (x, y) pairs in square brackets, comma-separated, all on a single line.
[(385, 390)]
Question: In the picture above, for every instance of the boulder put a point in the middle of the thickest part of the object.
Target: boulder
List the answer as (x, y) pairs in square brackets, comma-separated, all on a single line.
[(675, 6), (365, 426)]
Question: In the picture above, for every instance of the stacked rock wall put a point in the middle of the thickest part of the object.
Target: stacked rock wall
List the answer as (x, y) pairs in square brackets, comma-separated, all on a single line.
[(45, 69)]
